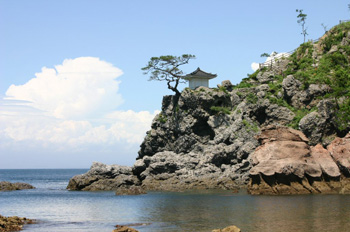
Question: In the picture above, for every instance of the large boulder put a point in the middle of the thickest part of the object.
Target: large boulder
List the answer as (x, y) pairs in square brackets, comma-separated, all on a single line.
[(340, 152), (320, 124), (286, 164)]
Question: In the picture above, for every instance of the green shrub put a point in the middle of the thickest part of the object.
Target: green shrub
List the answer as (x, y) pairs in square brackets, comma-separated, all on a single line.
[(343, 116), (243, 85), (223, 89), (221, 109), (162, 118), (299, 114), (252, 98), (249, 126)]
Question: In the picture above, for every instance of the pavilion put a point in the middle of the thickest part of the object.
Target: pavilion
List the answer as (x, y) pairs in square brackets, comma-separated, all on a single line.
[(199, 78)]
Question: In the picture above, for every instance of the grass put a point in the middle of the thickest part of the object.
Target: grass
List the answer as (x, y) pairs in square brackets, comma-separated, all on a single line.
[(221, 109)]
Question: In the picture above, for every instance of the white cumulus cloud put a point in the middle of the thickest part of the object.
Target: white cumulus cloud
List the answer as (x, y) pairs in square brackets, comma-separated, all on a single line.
[(76, 89), (71, 107)]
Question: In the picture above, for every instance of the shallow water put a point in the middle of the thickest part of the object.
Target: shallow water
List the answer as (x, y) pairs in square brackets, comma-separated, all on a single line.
[(60, 210)]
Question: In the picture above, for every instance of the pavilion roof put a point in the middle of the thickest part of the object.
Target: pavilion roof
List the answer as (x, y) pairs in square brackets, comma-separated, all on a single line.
[(198, 73)]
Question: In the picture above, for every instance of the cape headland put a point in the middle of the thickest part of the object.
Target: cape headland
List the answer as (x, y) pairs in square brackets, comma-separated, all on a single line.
[(282, 130)]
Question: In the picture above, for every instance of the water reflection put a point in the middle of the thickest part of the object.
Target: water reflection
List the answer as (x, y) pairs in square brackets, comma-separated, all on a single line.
[(204, 212), (172, 212)]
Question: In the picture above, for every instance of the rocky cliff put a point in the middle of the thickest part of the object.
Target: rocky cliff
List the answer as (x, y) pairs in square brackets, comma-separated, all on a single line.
[(209, 138)]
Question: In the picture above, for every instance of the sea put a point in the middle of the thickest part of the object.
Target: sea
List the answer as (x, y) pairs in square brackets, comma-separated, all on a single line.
[(57, 209)]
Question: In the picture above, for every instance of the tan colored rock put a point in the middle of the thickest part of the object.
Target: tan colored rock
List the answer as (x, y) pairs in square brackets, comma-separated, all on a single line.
[(124, 229), (322, 156), (13, 223), (340, 151), (275, 133), (8, 186), (228, 229), (284, 157), (345, 186), (286, 164)]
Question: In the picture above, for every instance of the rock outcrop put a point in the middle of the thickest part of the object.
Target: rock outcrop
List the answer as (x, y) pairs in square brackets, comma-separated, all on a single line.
[(205, 143), (13, 223), (207, 139), (104, 177), (286, 164), (8, 186)]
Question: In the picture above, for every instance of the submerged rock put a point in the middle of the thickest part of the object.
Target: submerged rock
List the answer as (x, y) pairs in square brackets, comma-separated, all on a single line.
[(286, 164), (131, 190), (8, 186)]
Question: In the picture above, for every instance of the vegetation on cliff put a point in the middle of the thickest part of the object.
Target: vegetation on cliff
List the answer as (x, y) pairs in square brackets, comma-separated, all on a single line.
[(324, 63)]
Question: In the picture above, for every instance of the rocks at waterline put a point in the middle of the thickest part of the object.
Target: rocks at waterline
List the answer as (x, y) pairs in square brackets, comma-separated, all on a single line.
[(228, 229), (286, 164), (124, 229), (8, 186), (128, 227), (104, 177), (13, 223)]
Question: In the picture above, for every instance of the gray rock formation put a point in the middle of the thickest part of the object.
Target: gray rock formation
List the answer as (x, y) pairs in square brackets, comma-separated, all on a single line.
[(207, 142), (320, 124), (204, 143), (226, 84), (103, 177)]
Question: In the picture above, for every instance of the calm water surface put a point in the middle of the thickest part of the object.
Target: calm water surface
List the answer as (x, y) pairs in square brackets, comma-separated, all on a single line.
[(60, 210)]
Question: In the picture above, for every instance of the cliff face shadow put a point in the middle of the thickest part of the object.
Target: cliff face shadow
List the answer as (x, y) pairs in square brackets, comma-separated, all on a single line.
[(202, 129)]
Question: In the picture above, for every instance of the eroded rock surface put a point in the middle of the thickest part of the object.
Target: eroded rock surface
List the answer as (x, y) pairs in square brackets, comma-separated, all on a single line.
[(286, 164)]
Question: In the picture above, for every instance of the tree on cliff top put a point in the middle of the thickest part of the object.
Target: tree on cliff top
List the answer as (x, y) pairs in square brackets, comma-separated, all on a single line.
[(301, 21), (166, 68)]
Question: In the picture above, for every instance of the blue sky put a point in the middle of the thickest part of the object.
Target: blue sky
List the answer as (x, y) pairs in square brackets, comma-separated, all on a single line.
[(91, 102)]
